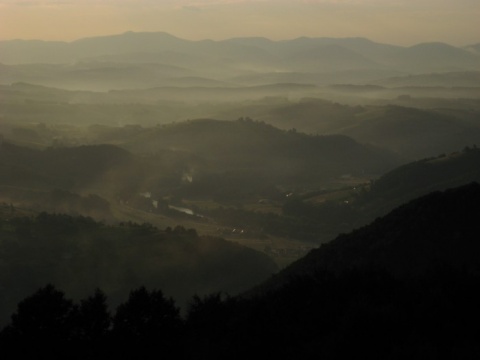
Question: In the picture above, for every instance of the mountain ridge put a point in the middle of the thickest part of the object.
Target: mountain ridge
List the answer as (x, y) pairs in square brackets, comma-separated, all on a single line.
[(34, 51)]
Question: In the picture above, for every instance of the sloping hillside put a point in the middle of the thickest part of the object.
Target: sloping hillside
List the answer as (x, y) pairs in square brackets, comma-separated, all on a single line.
[(434, 231)]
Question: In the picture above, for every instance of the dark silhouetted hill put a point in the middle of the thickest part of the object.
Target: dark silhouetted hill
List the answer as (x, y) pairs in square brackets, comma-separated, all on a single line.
[(435, 231)]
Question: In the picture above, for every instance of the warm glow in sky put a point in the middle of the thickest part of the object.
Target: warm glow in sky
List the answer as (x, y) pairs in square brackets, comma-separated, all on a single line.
[(403, 22)]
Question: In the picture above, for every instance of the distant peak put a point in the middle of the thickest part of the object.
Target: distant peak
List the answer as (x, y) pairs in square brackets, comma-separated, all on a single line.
[(136, 33), (130, 34), (433, 44)]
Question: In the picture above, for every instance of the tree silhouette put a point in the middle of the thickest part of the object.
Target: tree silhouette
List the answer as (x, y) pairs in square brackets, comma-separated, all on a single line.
[(93, 322), (145, 323), (45, 322), (209, 326)]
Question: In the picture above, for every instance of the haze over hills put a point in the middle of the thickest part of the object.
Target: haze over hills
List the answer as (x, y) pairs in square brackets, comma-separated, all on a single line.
[(448, 80), (439, 125), (155, 57), (475, 48), (160, 79), (157, 78), (264, 150), (204, 149), (256, 49), (229, 164)]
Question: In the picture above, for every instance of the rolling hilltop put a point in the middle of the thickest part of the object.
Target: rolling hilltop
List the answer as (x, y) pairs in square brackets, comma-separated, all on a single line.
[(412, 127), (409, 132), (242, 146), (246, 144)]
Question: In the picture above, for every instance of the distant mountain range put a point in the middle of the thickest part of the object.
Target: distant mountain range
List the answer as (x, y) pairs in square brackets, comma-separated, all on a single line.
[(156, 56), (145, 46)]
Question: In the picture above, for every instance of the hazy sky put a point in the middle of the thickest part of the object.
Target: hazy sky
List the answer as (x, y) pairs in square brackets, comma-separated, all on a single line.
[(403, 22)]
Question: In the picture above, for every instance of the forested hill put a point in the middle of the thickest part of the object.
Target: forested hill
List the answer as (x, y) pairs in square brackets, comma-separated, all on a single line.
[(243, 147), (264, 149), (434, 231)]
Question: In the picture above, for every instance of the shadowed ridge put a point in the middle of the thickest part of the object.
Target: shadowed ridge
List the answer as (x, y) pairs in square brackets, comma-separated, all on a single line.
[(434, 231)]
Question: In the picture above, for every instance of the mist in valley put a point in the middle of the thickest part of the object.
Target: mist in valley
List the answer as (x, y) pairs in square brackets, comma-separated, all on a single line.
[(245, 178)]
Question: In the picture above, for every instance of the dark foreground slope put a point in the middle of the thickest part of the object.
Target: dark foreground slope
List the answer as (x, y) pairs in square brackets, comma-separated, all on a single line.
[(439, 229), (403, 287)]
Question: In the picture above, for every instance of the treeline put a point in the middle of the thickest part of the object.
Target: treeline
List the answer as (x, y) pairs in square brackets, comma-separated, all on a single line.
[(55, 327), (364, 313)]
